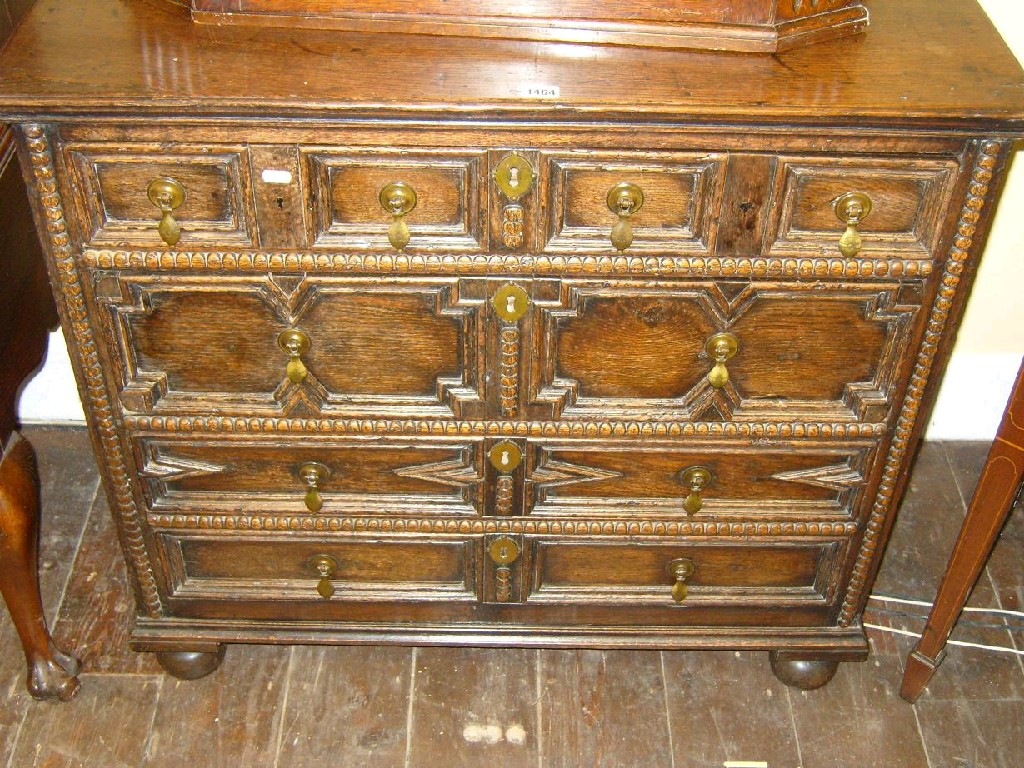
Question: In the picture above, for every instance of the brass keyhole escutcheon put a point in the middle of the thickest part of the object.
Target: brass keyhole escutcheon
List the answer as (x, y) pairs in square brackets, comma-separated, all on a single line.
[(514, 176), (398, 199), (720, 348), (695, 480), (325, 567), (313, 473), (168, 195), (624, 199), (505, 456), (851, 209), (295, 343), (504, 550), (681, 570), (510, 302)]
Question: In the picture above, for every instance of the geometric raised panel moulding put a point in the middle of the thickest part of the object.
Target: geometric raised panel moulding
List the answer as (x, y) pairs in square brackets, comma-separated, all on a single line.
[(728, 25)]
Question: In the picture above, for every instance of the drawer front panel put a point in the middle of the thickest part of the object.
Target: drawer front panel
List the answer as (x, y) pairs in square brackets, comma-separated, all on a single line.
[(347, 211), (639, 351), (629, 574), (682, 195), (111, 184), (353, 477), (608, 480), (410, 569), (374, 347), (909, 199)]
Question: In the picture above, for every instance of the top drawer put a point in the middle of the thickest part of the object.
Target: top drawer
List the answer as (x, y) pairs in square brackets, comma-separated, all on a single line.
[(334, 198), (113, 184), (903, 204)]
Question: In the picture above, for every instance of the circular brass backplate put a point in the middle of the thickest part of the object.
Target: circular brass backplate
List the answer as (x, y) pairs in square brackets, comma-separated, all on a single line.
[(165, 193), (397, 198), (505, 456), (682, 568), (324, 565), (625, 198), (514, 176), (852, 207), (511, 302), (722, 346), (504, 550), (699, 477), (293, 339), (314, 471)]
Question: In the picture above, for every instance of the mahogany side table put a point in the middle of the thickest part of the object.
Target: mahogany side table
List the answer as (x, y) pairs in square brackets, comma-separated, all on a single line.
[(26, 314), (993, 499)]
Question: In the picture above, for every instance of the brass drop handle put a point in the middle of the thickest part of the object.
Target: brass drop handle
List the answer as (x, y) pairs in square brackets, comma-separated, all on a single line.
[(624, 199), (312, 474), (325, 567), (681, 569), (695, 480), (295, 343), (851, 209), (398, 199), (721, 347), (168, 195)]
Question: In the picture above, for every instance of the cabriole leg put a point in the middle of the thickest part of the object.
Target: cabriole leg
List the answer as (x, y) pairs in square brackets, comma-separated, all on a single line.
[(52, 674)]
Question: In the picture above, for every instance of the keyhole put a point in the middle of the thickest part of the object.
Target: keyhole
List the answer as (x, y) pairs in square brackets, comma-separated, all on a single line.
[(503, 553), (513, 177), (504, 458), (510, 304), (280, 203)]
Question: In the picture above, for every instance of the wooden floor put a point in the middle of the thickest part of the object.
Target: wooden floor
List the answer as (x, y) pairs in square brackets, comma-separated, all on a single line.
[(392, 707)]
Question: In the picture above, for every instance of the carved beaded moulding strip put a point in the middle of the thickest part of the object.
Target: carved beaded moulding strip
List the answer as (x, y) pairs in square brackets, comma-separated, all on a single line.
[(627, 429), (75, 320), (686, 266), (970, 215), (321, 524)]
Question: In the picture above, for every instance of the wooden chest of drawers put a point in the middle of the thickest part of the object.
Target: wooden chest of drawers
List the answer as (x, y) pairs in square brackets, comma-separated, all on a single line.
[(425, 341)]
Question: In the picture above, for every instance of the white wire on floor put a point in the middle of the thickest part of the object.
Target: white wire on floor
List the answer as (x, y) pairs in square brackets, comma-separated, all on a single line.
[(908, 633), (925, 604)]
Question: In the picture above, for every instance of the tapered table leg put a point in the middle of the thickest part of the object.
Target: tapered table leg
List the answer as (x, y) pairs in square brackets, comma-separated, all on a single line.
[(51, 673), (992, 501)]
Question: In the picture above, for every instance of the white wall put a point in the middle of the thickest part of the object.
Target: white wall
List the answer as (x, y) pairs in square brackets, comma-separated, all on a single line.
[(980, 373)]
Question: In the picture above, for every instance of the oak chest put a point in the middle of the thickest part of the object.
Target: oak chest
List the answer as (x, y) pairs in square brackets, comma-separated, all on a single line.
[(418, 340)]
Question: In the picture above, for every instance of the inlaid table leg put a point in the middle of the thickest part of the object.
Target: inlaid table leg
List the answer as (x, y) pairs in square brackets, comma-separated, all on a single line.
[(51, 673), (992, 501)]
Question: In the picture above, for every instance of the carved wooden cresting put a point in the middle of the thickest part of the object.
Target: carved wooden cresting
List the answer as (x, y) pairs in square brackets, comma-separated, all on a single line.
[(423, 359)]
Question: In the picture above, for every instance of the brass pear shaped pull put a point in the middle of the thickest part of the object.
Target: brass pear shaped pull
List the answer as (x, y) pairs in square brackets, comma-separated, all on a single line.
[(296, 343), (851, 209), (624, 199), (398, 199), (681, 569), (168, 195), (721, 347), (312, 474), (325, 567), (695, 479)]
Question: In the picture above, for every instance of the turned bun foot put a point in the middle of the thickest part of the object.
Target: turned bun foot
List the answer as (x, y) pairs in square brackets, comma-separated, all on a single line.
[(801, 672), (190, 665)]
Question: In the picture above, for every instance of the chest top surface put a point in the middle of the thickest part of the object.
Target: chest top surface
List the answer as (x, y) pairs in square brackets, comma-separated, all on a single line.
[(933, 62)]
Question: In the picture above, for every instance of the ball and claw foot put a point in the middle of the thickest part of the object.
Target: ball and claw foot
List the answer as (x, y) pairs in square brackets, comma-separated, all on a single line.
[(803, 673), (190, 665), (55, 678)]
